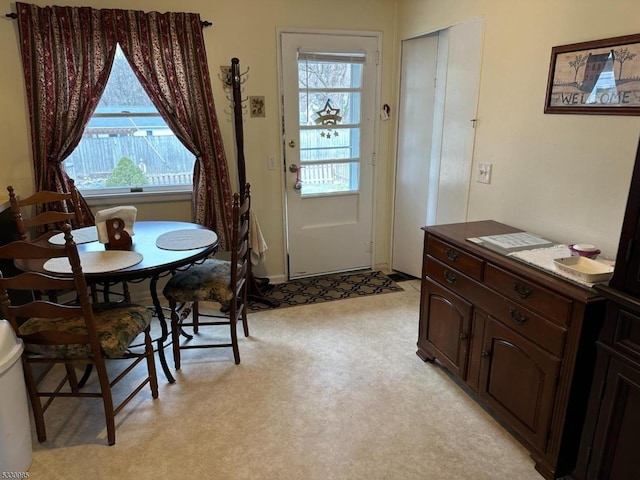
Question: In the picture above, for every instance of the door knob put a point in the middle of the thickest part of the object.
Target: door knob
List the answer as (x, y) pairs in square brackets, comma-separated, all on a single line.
[(292, 143), (293, 168)]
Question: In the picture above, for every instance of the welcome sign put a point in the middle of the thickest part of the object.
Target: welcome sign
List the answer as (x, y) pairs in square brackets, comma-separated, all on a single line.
[(598, 77)]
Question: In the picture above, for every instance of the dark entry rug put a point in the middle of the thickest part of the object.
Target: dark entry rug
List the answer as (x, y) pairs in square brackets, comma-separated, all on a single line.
[(326, 288)]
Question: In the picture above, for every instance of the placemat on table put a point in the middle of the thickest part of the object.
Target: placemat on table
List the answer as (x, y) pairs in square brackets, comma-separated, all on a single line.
[(186, 239), (81, 235), (96, 262)]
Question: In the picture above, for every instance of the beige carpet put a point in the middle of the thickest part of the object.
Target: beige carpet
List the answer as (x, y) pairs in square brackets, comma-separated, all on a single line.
[(327, 391)]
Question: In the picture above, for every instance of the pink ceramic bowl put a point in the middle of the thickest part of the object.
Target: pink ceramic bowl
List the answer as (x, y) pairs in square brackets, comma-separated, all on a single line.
[(584, 250)]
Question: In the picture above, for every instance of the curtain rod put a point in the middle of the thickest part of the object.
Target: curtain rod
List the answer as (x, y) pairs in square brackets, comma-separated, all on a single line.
[(204, 23)]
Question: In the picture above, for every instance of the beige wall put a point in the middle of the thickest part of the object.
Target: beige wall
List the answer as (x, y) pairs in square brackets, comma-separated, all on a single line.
[(565, 176), (245, 29)]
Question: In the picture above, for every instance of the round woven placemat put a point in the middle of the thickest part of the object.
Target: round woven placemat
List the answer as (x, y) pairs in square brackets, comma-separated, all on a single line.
[(96, 262), (81, 235), (187, 239)]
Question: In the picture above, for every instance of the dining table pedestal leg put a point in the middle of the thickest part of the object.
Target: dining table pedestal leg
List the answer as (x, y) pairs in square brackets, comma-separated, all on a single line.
[(164, 330)]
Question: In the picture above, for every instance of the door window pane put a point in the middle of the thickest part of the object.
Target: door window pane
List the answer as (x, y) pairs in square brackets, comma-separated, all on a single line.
[(329, 86), (324, 144), (329, 178)]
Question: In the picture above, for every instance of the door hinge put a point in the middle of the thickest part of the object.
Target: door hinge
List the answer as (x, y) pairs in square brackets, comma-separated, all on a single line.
[(368, 247), (377, 57), (373, 158)]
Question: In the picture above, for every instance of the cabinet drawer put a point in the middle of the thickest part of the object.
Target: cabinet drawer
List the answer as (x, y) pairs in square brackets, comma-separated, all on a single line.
[(456, 258), (450, 278), (548, 303), (530, 325)]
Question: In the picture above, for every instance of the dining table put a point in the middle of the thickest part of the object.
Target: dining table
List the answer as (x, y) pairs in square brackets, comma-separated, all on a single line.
[(158, 248)]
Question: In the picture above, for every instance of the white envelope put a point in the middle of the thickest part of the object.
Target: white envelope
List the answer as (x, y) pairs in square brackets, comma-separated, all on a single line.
[(126, 213)]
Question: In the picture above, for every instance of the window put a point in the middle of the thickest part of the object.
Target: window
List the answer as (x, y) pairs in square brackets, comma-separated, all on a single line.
[(330, 88), (127, 146)]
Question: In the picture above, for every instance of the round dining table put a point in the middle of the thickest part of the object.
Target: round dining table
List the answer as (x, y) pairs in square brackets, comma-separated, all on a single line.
[(158, 247)]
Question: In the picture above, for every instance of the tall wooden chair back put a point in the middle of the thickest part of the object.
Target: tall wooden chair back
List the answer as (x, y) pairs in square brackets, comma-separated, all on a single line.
[(214, 280), (71, 334), (52, 210)]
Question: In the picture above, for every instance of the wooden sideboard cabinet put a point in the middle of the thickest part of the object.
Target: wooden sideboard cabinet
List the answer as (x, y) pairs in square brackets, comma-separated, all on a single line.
[(520, 340)]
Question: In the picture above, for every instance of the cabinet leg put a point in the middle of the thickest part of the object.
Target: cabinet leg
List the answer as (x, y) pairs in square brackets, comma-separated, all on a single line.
[(425, 356)]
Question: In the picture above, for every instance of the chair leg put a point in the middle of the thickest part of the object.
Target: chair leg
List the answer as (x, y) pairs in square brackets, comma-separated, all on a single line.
[(107, 400), (151, 364), (36, 405), (245, 322), (195, 316), (234, 339), (125, 292), (175, 333), (73, 378)]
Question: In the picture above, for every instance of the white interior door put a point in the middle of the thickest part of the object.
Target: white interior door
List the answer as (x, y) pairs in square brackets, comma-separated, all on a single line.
[(329, 101), (415, 112), (458, 132), (435, 136)]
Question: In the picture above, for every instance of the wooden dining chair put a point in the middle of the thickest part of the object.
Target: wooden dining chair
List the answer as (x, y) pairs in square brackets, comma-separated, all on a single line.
[(56, 209), (72, 334), (214, 280)]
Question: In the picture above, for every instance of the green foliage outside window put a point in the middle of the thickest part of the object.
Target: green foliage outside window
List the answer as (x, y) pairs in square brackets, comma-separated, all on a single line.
[(126, 174)]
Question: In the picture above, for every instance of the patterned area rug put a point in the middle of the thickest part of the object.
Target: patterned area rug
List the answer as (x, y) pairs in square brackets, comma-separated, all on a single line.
[(327, 288)]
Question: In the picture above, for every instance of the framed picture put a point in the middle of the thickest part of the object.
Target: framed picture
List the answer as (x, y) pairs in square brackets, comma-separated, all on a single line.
[(598, 77)]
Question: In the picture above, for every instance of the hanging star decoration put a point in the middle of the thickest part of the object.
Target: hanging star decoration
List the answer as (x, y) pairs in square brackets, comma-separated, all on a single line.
[(328, 116)]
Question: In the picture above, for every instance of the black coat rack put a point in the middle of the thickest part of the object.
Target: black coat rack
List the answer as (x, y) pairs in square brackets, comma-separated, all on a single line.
[(256, 285)]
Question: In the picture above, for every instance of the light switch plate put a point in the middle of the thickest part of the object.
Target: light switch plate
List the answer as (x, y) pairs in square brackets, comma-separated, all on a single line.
[(484, 173)]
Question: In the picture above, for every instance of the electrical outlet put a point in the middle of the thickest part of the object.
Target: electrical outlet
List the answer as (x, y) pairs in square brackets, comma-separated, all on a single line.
[(484, 173), (271, 163)]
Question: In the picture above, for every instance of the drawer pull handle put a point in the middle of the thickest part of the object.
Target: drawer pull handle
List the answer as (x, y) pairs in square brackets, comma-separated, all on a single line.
[(522, 290), (517, 316), (463, 336), (450, 277), (452, 254), (485, 354)]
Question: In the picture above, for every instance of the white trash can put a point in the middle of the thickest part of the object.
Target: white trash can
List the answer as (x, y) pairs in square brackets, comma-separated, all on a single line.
[(15, 429)]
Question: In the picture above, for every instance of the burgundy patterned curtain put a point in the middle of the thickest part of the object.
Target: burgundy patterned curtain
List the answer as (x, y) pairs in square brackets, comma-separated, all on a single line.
[(167, 53), (67, 53), (67, 57)]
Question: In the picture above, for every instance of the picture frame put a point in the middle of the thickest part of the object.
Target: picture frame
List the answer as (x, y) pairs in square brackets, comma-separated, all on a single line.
[(600, 77)]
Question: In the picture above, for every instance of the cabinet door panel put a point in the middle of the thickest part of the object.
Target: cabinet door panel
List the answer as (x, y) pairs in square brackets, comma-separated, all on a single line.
[(445, 330), (518, 381), (615, 448)]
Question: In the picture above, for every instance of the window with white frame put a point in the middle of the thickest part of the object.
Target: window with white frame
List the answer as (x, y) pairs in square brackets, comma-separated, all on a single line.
[(127, 146)]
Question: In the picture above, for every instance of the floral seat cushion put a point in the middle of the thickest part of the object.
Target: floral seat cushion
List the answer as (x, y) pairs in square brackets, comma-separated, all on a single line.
[(117, 324), (208, 281)]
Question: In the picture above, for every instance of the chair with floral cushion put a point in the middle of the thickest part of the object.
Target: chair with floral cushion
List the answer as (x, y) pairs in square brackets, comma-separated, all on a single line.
[(72, 333), (214, 280)]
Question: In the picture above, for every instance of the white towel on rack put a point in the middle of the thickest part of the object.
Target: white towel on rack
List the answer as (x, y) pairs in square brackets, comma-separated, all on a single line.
[(256, 241), (126, 213)]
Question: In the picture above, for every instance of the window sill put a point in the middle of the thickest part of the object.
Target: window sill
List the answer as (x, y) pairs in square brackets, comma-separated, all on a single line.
[(109, 199)]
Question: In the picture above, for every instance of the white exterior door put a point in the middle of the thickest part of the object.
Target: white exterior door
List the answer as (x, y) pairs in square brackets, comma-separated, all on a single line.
[(329, 102)]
